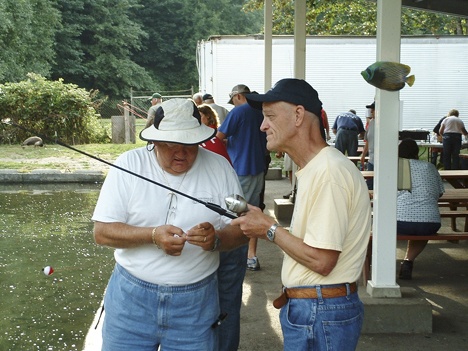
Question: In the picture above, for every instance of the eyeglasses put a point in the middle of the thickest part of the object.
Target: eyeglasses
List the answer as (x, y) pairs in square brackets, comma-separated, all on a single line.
[(171, 210)]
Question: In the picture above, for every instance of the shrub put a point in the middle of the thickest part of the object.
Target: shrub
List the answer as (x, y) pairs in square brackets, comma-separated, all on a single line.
[(50, 108)]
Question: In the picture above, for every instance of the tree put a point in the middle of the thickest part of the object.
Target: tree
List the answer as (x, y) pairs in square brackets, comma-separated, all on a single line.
[(27, 29), (95, 45), (356, 17), (175, 26)]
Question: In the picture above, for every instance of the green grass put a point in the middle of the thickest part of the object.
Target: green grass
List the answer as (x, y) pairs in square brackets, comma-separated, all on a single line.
[(54, 156)]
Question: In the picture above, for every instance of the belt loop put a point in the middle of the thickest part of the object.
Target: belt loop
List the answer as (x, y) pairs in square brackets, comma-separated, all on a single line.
[(318, 289), (348, 289)]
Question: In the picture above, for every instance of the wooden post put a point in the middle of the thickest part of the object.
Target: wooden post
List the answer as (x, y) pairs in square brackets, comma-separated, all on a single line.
[(126, 123)]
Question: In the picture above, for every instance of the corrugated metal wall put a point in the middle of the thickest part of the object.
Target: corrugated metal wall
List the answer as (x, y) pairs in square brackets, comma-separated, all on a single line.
[(333, 68)]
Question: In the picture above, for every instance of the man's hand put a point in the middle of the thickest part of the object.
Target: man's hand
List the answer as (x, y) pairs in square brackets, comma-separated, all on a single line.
[(254, 223), (170, 239), (202, 235)]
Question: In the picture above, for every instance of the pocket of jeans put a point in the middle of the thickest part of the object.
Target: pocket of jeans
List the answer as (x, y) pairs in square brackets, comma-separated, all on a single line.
[(348, 331), (299, 312)]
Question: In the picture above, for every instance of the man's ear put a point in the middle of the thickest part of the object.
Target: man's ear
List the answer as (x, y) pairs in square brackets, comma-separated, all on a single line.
[(300, 114)]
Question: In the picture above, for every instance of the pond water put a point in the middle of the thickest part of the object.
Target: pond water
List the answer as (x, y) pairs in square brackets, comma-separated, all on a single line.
[(49, 225)]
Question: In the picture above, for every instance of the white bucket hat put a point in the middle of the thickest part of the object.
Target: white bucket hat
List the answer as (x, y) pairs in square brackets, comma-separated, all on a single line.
[(178, 121)]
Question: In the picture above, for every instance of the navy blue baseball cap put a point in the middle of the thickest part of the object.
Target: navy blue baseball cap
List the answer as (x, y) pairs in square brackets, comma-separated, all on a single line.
[(292, 90)]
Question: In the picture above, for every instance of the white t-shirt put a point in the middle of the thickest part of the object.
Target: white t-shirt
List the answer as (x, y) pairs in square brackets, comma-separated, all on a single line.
[(453, 124), (126, 198), (332, 211)]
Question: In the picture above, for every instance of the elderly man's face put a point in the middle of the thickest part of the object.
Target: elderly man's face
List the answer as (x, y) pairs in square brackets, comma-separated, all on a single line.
[(175, 158), (278, 124)]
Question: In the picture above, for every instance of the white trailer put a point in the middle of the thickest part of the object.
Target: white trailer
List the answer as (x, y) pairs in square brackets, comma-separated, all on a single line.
[(333, 66)]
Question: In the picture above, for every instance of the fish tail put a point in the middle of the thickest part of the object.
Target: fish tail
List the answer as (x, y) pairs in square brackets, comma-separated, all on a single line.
[(410, 80)]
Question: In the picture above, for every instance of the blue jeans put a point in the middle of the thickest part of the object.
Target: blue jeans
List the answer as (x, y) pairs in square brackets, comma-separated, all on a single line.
[(143, 316), (347, 141), (231, 273), (322, 324), (451, 145)]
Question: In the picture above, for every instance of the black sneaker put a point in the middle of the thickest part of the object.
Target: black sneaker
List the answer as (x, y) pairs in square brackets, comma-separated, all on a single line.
[(406, 270)]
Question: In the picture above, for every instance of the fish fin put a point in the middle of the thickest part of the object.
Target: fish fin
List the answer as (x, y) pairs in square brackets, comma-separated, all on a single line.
[(406, 68), (410, 80)]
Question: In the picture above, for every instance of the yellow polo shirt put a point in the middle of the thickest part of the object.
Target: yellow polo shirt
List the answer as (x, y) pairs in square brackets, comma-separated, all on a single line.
[(332, 211)]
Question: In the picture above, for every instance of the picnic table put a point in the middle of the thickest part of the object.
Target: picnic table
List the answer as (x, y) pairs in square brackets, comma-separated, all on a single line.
[(458, 178), (453, 204)]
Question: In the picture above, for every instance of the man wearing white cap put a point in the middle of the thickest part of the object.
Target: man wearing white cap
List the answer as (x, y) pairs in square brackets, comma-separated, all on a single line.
[(163, 292)]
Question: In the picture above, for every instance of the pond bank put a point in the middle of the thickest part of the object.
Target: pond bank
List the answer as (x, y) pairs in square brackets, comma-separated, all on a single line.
[(10, 176)]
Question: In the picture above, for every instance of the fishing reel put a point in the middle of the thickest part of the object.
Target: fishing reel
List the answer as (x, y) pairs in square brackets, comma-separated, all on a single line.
[(236, 203)]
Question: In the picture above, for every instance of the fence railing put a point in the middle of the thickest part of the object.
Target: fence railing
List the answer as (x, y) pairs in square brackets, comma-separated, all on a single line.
[(139, 103)]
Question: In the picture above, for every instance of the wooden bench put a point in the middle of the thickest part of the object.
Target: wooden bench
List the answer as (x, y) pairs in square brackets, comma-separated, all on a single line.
[(356, 159), (452, 236)]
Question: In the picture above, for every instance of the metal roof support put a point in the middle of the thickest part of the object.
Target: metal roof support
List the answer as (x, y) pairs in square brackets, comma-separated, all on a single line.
[(268, 42), (300, 10), (383, 282)]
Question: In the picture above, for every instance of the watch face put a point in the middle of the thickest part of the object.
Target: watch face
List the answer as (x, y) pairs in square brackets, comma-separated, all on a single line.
[(271, 232)]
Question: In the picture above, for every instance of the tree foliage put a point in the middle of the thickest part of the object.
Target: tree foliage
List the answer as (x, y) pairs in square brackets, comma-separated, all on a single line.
[(96, 43), (51, 107), (173, 28), (27, 29), (356, 17), (116, 45)]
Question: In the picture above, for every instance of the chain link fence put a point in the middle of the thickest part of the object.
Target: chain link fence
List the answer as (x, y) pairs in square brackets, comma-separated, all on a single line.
[(139, 103), (133, 111)]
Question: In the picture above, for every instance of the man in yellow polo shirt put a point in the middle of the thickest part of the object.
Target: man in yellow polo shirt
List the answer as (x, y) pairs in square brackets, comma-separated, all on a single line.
[(326, 244)]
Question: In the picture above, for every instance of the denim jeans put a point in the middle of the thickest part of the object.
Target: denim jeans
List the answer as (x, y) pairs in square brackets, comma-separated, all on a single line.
[(322, 324), (347, 141), (142, 316), (451, 146), (231, 273)]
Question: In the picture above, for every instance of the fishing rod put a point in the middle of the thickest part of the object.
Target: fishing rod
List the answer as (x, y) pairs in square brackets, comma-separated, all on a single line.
[(234, 202)]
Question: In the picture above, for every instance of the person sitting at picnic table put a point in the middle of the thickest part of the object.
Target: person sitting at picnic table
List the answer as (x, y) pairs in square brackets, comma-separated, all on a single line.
[(418, 208)]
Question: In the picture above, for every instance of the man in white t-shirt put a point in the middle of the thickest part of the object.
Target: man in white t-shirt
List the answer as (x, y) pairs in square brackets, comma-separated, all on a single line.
[(326, 244), (452, 128), (220, 110), (163, 291)]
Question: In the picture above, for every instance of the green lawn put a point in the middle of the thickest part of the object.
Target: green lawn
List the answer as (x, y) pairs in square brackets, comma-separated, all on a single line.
[(53, 156)]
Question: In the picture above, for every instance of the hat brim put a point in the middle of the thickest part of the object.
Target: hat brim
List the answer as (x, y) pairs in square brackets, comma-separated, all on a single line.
[(193, 136), (256, 100)]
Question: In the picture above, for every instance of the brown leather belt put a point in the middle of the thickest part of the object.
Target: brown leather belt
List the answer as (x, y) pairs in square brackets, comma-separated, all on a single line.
[(311, 293)]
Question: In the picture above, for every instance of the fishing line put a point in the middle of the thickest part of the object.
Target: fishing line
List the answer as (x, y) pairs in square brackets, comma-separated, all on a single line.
[(214, 207)]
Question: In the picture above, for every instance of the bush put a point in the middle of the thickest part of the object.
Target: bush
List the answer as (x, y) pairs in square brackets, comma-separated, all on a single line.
[(50, 108)]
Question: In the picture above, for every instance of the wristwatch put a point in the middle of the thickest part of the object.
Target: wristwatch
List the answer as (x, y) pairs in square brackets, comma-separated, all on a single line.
[(216, 243), (271, 232)]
